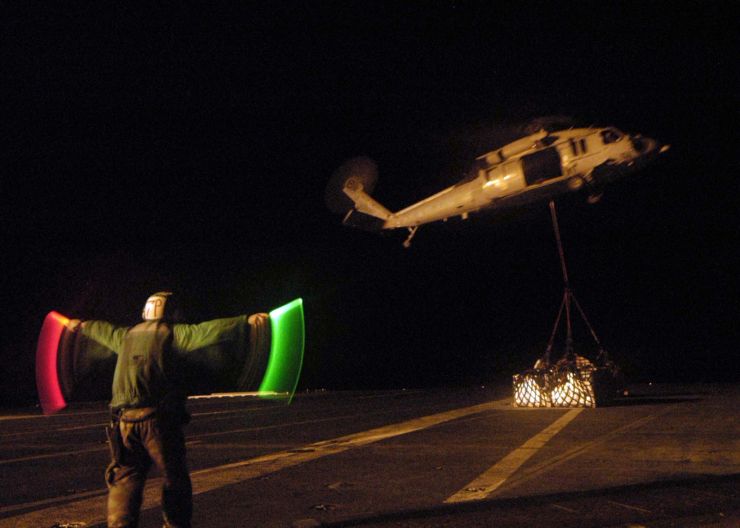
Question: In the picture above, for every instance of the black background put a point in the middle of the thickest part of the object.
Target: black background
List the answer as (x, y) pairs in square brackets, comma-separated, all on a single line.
[(187, 147)]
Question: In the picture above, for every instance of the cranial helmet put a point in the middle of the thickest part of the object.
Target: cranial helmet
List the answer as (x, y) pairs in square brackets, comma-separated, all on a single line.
[(154, 307)]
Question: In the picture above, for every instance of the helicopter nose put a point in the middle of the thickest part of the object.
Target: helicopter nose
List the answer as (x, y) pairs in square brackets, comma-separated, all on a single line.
[(646, 146), (643, 145)]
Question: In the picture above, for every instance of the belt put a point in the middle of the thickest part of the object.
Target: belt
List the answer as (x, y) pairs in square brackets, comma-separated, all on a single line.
[(138, 414)]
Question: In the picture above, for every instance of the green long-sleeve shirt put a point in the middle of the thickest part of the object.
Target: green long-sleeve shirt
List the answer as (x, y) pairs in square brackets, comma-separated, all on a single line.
[(150, 355)]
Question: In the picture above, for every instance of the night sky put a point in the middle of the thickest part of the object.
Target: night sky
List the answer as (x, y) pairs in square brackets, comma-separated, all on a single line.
[(187, 147)]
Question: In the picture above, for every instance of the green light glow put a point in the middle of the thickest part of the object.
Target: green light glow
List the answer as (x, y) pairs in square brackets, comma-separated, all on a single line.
[(286, 351)]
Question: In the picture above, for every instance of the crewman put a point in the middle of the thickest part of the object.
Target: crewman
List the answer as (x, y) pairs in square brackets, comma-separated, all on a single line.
[(148, 407)]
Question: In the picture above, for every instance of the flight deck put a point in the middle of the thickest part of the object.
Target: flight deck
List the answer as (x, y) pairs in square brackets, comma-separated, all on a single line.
[(666, 455)]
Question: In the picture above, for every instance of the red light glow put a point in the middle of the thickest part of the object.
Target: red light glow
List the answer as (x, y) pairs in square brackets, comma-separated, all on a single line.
[(47, 350)]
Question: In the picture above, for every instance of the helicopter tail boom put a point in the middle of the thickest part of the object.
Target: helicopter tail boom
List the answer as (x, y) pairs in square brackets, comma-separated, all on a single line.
[(348, 193), (363, 202)]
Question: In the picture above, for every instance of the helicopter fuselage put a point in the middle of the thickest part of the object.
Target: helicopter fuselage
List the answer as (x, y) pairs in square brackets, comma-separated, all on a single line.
[(537, 167), (539, 164)]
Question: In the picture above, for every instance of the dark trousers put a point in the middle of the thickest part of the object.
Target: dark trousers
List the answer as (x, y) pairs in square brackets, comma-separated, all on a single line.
[(147, 439)]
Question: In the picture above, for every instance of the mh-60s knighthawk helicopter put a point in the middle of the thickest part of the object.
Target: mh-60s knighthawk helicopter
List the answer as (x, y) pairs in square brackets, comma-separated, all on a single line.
[(537, 167)]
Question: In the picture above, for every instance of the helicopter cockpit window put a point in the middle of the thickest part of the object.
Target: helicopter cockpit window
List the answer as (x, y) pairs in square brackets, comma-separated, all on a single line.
[(610, 135), (547, 141)]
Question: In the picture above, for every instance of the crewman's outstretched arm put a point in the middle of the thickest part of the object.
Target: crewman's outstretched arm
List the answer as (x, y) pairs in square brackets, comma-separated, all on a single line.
[(189, 337), (104, 333)]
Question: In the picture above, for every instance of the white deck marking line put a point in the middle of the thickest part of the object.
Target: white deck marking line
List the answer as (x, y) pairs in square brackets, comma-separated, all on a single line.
[(66, 413), (20, 417), (559, 507), (557, 460), (100, 425), (490, 480), (45, 417), (50, 500), (92, 509), (629, 507), (191, 440), (69, 412), (53, 455), (274, 426), (36, 432)]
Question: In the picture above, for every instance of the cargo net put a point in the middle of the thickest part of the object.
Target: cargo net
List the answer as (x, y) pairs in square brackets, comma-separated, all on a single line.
[(568, 383)]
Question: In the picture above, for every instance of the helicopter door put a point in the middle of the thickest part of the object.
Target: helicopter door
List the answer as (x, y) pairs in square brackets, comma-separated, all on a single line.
[(541, 165)]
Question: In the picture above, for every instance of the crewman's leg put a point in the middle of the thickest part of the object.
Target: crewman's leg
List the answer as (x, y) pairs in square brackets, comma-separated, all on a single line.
[(125, 479), (165, 444)]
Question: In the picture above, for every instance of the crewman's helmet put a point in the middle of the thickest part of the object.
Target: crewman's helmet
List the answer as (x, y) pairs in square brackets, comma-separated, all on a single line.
[(154, 307)]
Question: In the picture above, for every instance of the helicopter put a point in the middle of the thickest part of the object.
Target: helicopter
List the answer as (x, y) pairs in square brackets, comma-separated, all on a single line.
[(533, 168)]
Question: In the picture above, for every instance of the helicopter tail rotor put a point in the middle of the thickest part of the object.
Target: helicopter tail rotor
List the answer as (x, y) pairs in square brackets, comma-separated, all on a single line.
[(359, 173)]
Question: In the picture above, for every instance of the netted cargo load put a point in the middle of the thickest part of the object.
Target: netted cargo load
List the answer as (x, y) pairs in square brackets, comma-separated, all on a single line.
[(571, 382)]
